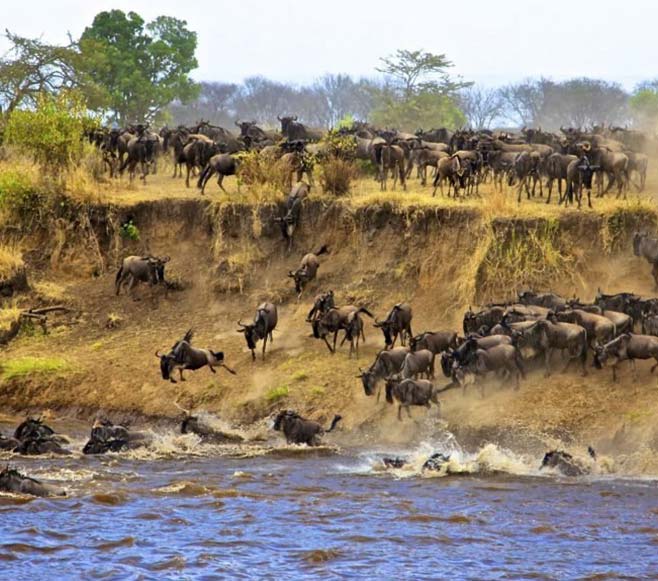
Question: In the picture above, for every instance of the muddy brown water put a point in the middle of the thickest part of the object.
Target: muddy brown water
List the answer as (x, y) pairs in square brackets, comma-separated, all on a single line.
[(180, 509)]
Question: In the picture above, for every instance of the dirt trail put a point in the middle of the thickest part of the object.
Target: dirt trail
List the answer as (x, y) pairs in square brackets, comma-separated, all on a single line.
[(231, 257)]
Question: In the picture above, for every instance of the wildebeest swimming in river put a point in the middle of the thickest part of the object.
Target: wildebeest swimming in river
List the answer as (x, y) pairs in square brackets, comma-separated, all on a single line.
[(35, 438), (108, 437), (183, 356), (301, 431), (264, 323), (192, 424), (12, 480), (566, 463)]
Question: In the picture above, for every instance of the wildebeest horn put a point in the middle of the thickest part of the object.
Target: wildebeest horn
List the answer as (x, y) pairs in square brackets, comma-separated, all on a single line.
[(237, 123), (228, 369), (157, 354), (165, 259), (294, 118), (279, 118), (241, 323)]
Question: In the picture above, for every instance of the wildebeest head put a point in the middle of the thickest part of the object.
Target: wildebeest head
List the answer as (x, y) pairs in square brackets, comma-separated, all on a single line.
[(286, 122), (157, 268), (190, 425), (638, 237), (470, 321), (369, 381), (553, 458), (586, 170), (33, 429), (386, 327), (251, 335), (283, 418), (298, 276), (167, 365)]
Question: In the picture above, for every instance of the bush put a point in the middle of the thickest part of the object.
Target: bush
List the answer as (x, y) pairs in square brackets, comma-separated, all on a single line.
[(129, 231), (337, 175), (256, 169), (277, 393), (52, 133), (26, 366)]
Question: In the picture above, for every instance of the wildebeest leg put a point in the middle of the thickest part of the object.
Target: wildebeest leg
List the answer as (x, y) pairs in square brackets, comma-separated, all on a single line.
[(188, 167), (589, 198), (212, 368), (264, 345), (654, 273), (399, 412), (329, 346), (634, 369), (654, 366), (614, 372), (220, 179), (180, 373), (547, 362)]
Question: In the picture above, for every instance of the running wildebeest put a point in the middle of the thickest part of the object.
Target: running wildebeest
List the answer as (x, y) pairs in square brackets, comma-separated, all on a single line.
[(222, 164), (386, 364), (549, 300), (183, 356), (192, 424), (290, 220), (341, 318), (321, 304), (264, 324), (397, 323), (13, 481), (408, 392), (301, 431), (599, 328), (626, 347), (434, 341), (307, 270), (137, 269)]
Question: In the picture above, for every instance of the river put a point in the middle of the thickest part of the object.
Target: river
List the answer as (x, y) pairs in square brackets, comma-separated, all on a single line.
[(184, 510)]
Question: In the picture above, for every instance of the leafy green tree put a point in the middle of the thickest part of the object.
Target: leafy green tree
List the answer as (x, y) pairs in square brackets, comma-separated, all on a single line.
[(419, 92), (142, 67), (52, 132), (644, 105)]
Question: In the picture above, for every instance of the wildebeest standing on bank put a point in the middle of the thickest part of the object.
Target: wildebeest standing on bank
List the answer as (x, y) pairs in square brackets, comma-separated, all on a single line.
[(221, 164), (183, 356), (579, 176), (397, 323), (264, 323), (308, 269), (301, 431), (148, 269), (647, 247)]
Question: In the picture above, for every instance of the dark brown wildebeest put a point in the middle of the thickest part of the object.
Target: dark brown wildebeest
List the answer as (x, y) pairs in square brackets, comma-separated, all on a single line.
[(408, 392), (548, 300), (108, 437), (198, 150), (292, 129), (501, 164), (626, 347), (501, 358), (222, 164), (387, 363), (264, 324), (11, 480), (417, 363), (464, 353), (579, 176), (623, 322), (183, 356), (434, 341), (453, 170), (647, 247), (555, 167), (35, 438), (397, 323), (391, 157), (527, 166), (487, 317), (425, 157), (307, 270), (638, 163), (321, 304), (141, 150), (546, 337), (140, 269), (341, 318), (628, 303), (298, 430), (290, 219), (599, 328)]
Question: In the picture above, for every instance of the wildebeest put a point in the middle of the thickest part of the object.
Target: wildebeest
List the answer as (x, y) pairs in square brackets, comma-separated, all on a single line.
[(301, 431), (628, 303), (136, 269), (345, 318), (108, 437), (417, 363), (579, 176), (397, 323), (410, 392), (434, 341), (547, 336), (183, 356), (11, 480), (555, 167), (292, 129), (647, 247), (387, 363), (623, 322), (264, 324), (290, 219), (391, 157), (222, 164), (453, 170), (599, 328), (488, 317), (35, 438), (626, 347), (565, 462), (321, 304), (307, 270), (141, 150), (192, 424), (500, 358), (549, 300)]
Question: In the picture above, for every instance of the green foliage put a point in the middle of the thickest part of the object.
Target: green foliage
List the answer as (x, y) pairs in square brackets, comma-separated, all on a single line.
[(26, 366), (141, 67), (423, 109), (277, 393), (346, 122), (129, 231), (51, 132), (644, 105), (18, 195)]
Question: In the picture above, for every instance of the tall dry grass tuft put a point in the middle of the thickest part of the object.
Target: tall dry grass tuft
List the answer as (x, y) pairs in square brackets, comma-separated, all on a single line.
[(11, 260), (337, 175)]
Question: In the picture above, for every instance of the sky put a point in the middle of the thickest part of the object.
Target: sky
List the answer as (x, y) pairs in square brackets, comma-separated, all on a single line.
[(491, 42)]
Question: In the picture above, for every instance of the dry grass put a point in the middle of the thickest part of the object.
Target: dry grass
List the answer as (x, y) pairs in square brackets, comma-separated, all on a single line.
[(8, 316), (11, 260), (50, 291)]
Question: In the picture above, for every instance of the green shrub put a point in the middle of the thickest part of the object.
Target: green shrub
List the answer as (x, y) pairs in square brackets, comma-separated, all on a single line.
[(129, 231), (276, 393), (26, 366)]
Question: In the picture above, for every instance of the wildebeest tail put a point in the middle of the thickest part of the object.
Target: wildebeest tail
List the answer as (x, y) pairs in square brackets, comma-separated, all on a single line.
[(202, 176), (188, 335), (336, 419), (365, 312), (117, 278), (324, 249)]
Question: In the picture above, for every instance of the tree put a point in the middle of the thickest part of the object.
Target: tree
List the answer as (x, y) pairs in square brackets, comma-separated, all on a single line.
[(142, 67), (414, 71), (418, 92), (644, 105), (52, 131), (215, 103), (523, 102), (32, 68), (481, 106)]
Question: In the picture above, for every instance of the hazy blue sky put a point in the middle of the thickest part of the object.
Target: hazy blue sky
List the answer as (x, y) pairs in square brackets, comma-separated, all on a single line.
[(490, 41)]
